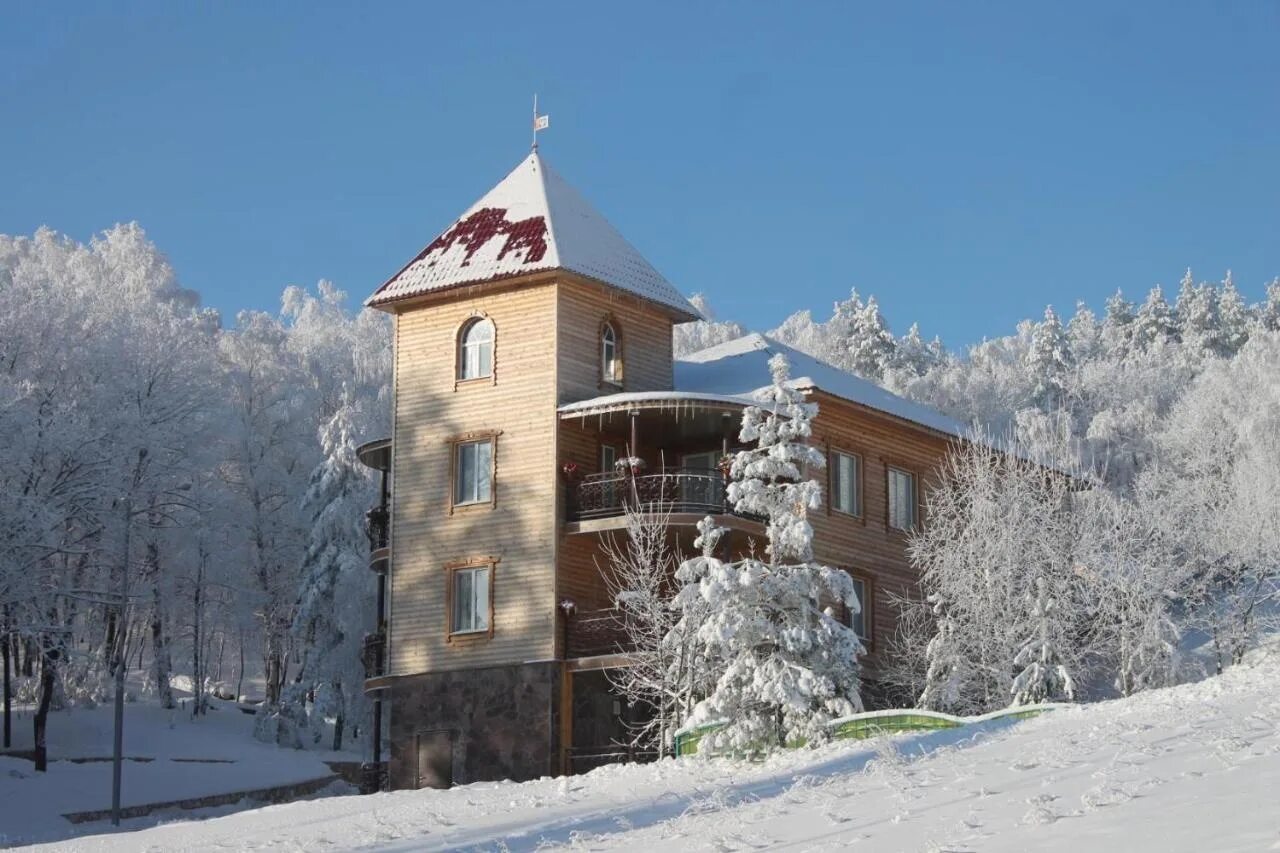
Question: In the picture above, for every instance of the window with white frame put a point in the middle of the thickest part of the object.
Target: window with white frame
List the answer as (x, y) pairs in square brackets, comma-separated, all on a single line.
[(902, 499), (846, 483), (473, 472), (475, 349), (470, 593), (610, 362)]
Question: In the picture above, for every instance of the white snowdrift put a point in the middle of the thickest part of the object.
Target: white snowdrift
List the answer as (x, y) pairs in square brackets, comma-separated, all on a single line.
[(1195, 767)]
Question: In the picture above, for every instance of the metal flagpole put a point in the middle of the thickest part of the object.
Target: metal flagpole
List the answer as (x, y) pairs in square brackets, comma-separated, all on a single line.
[(535, 121)]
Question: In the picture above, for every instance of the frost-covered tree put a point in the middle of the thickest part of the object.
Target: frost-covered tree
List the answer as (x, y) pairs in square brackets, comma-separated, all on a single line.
[(784, 665), (1215, 493), (705, 332), (1042, 676), (997, 522), (1196, 313), (1268, 314), (1117, 326), (1050, 362), (1234, 318), (333, 611), (1084, 333), (871, 344), (1154, 325), (640, 572)]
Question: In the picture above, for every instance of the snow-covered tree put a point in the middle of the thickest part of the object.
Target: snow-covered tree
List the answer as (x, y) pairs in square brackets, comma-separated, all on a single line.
[(997, 523), (706, 332), (640, 573), (1042, 677), (1050, 362), (871, 344), (784, 664), (1117, 326), (1154, 324)]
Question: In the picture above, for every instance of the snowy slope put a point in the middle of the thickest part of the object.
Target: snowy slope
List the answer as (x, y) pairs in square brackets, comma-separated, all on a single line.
[(1191, 768), (179, 758)]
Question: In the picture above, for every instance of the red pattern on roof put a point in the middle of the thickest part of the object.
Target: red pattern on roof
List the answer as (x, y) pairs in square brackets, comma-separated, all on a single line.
[(485, 224)]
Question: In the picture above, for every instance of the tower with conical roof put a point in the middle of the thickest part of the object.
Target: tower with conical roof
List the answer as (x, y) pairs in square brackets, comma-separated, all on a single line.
[(530, 300)]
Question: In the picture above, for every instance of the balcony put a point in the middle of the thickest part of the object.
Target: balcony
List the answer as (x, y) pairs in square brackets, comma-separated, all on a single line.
[(377, 526), (593, 633), (374, 655), (677, 490)]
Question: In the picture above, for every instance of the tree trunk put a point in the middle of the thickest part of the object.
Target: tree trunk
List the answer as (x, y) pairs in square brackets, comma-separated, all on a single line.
[(161, 663), (337, 731), (48, 671)]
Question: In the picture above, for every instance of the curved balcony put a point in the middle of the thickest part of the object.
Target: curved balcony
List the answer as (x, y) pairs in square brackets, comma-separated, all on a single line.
[(373, 654), (677, 490)]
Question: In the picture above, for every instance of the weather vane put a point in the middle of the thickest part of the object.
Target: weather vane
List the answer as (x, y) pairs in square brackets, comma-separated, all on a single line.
[(539, 122)]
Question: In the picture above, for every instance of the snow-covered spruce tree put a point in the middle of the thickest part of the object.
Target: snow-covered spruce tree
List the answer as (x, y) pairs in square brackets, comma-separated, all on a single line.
[(871, 344), (945, 676), (1154, 325), (1268, 313), (332, 613), (785, 666), (1042, 677), (1049, 363)]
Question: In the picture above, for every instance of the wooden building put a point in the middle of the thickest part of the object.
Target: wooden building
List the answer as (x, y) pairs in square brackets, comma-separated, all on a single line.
[(533, 350)]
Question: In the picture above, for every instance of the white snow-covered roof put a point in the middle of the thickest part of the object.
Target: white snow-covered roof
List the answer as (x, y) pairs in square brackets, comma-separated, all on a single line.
[(531, 221), (739, 367)]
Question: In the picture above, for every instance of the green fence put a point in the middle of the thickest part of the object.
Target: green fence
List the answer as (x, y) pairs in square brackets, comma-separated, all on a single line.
[(874, 723)]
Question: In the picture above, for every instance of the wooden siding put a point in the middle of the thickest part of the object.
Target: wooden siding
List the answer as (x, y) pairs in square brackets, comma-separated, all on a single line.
[(645, 334), (866, 546), (519, 527)]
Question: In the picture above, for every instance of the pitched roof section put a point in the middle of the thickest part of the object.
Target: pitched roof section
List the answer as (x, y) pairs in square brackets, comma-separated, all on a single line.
[(531, 221), (738, 367)]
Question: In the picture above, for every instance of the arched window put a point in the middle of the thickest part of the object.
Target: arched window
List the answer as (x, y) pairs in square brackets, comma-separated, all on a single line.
[(610, 358), (475, 349)]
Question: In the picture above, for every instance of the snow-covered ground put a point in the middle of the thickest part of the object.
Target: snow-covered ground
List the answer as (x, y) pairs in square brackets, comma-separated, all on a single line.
[(188, 758), (1195, 767)]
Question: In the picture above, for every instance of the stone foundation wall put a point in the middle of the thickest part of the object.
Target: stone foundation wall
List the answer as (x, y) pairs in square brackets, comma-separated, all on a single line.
[(504, 722)]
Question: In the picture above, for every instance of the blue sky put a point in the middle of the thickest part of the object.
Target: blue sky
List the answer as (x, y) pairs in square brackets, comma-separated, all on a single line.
[(966, 163)]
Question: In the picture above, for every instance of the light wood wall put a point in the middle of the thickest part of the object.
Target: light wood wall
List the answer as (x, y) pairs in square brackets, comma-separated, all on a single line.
[(519, 529), (646, 341)]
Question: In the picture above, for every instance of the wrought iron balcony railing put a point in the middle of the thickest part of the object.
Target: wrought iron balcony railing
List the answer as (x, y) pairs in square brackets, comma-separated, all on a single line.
[(377, 526), (697, 490), (597, 632), (374, 655)]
